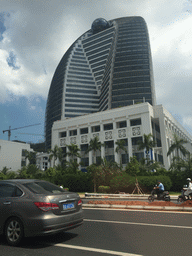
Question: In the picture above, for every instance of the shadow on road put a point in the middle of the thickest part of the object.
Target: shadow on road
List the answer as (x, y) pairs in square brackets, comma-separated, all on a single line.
[(39, 242)]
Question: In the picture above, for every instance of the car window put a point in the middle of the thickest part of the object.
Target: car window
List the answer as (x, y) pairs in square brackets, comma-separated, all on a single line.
[(43, 188), (7, 190), (18, 192)]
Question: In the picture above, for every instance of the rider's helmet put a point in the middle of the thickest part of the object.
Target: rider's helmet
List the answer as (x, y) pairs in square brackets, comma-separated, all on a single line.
[(188, 179)]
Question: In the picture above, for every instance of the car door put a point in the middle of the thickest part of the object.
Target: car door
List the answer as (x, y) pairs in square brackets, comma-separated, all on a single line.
[(6, 196)]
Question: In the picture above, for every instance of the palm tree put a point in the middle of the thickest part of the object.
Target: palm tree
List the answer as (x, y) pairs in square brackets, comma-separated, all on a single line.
[(108, 168), (94, 145), (178, 146), (55, 153), (31, 156), (120, 147), (147, 143), (5, 170), (73, 151)]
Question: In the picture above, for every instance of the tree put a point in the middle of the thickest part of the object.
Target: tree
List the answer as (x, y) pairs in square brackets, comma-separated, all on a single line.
[(31, 171), (95, 171), (3, 173), (178, 146), (188, 164), (94, 145), (120, 148), (38, 147), (107, 170), (5, 170), (72, 167), (31, 156), (147, 143), (73, 151), (55, 153), (147, 168), (132, 167), (179, 164)]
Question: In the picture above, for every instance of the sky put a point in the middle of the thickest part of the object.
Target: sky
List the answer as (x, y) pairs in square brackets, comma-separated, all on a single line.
[(35, 34)]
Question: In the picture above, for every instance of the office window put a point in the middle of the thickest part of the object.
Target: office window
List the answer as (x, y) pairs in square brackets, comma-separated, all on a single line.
[(24, 151), (62, 134), (136, 140), (135, 122), (95, 128), (121, 124), (84, 130), (73, 133), (139, 156), (107, 127)]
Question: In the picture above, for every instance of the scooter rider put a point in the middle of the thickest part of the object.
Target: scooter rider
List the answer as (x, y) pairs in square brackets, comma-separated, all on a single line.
[(189, 189), (159, 189)]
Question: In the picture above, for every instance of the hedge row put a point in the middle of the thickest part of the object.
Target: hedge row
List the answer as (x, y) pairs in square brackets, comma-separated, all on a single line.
[(83, 182), (147, 183), (77, 183), (126, 183)]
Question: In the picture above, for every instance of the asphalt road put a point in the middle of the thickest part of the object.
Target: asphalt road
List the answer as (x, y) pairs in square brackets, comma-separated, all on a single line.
[(115, 232)]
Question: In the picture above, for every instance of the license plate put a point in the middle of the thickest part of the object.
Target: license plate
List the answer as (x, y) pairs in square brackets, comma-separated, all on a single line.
[(68, 206)]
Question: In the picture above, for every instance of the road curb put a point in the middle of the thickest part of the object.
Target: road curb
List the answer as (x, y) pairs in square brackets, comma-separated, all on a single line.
[(141, 207), (125, 196)]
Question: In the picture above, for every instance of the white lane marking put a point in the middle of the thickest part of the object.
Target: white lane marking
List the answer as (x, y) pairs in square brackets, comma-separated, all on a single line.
[(135, 223), (135, 210), (96, 250)]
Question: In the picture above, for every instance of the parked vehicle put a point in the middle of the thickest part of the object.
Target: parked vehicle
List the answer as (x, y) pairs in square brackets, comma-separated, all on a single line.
[(36, 207), (164, 196)]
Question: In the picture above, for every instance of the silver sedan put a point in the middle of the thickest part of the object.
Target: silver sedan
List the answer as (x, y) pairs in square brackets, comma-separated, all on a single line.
[(36, 207)]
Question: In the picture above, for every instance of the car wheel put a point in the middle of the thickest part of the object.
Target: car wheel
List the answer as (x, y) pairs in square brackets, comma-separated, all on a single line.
[(14, 231)]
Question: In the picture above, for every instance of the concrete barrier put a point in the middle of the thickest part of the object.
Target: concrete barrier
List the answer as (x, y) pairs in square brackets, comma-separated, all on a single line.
[(141, 207), (125, 196)]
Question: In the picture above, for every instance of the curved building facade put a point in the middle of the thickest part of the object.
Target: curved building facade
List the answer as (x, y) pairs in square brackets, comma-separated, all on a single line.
[(107, 67)]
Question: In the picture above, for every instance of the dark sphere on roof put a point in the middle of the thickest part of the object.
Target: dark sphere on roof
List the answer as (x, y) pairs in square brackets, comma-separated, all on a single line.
[(99, 24)]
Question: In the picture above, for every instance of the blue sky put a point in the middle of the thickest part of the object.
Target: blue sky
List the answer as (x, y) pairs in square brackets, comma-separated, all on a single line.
[(20, 113), (34, 35)]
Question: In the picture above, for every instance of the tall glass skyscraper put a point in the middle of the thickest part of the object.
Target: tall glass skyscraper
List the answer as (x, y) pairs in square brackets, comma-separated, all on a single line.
[(107, 67)]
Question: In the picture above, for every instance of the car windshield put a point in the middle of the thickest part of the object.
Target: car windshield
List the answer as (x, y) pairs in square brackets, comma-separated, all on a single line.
[(41, 187)]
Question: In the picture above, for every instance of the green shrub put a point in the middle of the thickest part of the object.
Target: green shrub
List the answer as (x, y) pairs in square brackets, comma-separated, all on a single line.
[(147, 183), (103, 189), (178, 180), (77, 183), (122, 182)]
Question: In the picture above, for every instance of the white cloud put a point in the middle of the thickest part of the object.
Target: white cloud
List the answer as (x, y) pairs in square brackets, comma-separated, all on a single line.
[(20, 82), (40, 32)]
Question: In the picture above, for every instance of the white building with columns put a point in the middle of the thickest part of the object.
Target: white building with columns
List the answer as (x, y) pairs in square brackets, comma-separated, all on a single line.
[(128, 123), (42, 161)]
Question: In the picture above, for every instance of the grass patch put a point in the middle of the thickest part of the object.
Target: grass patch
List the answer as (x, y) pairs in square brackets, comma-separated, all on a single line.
[(175, 193), (81, 193)]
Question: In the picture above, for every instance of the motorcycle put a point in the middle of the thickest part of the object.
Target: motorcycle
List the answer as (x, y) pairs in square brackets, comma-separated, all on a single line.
[(164, 196), (182, 198)]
